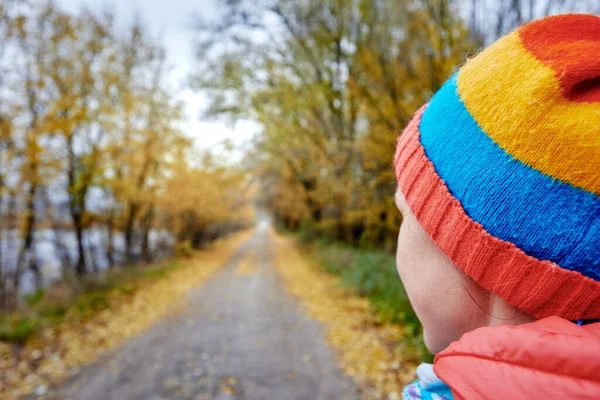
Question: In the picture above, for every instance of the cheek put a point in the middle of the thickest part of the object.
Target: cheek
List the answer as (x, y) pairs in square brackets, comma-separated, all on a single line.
[(443, 306), (410, 262), (401, 260)]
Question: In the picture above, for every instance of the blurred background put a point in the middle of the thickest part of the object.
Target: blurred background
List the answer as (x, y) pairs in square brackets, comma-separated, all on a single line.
[(141, 130)]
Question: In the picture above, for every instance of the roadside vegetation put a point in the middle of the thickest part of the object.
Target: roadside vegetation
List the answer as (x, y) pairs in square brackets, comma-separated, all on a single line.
[(69, 301), (371, 273)]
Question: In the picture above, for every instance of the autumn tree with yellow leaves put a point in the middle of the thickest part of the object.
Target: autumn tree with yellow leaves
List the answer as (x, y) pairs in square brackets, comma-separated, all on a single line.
[(90, 145), (332, 84)]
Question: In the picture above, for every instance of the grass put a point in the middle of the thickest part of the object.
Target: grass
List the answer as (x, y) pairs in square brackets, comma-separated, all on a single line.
[(372, 273), (70, 299), (17, 328)]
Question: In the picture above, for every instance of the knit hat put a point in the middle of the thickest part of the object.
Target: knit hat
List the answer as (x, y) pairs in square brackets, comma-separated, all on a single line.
[(502, 167)]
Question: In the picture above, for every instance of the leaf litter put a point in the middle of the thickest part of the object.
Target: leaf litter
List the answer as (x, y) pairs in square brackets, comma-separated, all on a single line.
[(368, 351)]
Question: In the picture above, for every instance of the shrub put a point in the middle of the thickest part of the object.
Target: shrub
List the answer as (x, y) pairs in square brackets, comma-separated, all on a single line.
[(184, 249), (17, 328), (34, 298), (155, 272), (92, 302)]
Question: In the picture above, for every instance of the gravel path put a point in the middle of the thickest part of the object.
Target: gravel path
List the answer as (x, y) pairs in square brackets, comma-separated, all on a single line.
[(241, 337)]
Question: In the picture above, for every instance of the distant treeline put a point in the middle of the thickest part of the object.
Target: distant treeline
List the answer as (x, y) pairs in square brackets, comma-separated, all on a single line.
[(333, 83), (89, 137)]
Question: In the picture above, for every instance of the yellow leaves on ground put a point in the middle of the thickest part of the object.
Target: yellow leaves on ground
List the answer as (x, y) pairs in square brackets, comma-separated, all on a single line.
[(59, 350), (366, 347)]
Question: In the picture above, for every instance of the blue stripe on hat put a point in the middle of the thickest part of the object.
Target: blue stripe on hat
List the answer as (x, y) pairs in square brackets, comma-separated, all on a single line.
[(546, 218)]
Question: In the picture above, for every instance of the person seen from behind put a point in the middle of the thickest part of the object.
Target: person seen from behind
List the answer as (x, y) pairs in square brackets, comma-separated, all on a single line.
[(499, 249)]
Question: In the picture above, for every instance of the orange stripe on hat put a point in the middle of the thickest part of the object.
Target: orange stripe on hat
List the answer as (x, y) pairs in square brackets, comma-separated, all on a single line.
[(570, 45), (520, 103)]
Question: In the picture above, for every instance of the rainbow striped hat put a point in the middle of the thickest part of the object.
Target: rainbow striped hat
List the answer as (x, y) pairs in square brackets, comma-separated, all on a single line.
[(502, 167)]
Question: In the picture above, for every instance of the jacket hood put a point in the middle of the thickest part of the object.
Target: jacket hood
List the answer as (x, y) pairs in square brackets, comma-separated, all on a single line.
[(551, 358)]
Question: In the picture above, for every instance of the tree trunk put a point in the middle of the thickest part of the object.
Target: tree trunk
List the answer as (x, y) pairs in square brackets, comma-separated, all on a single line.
[(24, 259), (80, 265), (129, 233), (37, 273), (147, 226), (110, 249)]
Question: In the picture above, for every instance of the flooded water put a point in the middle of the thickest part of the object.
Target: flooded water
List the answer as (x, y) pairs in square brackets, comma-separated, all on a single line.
[(54, 248)]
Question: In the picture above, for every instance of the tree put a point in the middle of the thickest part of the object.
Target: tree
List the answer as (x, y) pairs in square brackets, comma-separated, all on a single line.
[(90, 137), (332, 85), (295, 85), (405, 55), (80, 75)]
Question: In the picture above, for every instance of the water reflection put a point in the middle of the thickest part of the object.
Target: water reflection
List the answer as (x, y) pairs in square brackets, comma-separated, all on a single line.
[(56, 249)]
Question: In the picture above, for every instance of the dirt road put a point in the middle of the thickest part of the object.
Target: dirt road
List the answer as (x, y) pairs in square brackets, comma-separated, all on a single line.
[(240, 337)]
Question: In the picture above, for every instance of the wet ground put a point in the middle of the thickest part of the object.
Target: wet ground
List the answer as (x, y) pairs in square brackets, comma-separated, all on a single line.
[(240, 337)]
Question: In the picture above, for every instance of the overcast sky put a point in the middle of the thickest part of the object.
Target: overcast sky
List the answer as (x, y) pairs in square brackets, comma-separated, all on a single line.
[(171, 20)]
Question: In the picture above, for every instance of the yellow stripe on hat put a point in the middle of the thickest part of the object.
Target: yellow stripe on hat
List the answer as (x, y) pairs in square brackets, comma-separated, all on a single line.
[(520, 106)]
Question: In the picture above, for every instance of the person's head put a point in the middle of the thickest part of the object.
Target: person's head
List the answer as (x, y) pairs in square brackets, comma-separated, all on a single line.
[(499, 185), (447, 301)]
